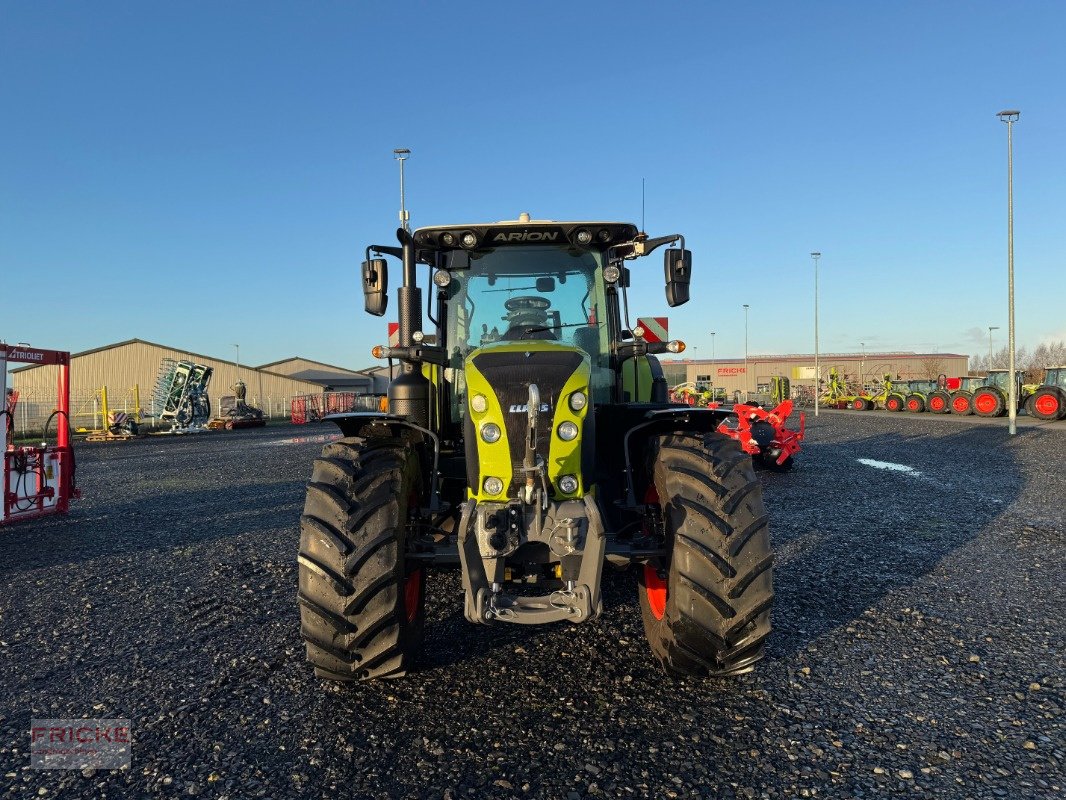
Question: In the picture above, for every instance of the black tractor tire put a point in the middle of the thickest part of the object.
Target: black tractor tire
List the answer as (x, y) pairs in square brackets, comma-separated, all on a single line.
[(1047, 403), (894, 402), (858, 404), (915, 403), (362, 606), (868, 405), (962, 403), (706, 610), (988, 402), (939, 402)]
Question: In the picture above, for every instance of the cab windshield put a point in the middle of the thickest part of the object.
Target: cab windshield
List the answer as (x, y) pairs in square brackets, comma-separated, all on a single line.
[(532, 293)]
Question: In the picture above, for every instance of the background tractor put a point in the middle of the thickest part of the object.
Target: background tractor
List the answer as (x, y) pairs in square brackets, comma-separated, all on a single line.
[(990, 399), (962, 397), (866, 401), (916, 399), (1048, 401), (529, 442)]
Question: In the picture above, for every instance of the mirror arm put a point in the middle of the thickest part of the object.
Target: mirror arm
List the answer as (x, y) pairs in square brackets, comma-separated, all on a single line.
[(383, 250)]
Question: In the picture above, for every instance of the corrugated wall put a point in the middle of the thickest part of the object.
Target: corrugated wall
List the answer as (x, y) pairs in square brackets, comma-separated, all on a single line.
[(122, 367)]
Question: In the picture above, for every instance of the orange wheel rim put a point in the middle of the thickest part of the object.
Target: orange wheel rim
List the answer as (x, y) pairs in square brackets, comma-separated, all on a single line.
[(985, 402), (412, 594), (960, 404), (1046, 404), (656, 590)]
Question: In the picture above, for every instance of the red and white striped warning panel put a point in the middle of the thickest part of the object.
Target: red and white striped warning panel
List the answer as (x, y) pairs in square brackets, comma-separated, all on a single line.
[(394, 334), (656, 329)]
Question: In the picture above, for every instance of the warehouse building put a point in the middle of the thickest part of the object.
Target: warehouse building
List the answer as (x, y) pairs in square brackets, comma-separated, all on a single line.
[(129, 370), (328, 376), (753, 374)]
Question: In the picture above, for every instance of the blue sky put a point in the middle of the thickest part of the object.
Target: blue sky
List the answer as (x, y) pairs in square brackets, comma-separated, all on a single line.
[(206, 173)]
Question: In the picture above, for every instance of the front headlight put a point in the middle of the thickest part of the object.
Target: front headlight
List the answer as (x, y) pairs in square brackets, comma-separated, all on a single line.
[(578, 401), (567, 431), (568, 484), (492, 485), (490, 432), (479, 403)]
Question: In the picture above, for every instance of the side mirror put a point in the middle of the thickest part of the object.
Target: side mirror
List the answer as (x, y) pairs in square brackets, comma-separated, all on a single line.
[(625, 277), (678, 267), (375, 286)]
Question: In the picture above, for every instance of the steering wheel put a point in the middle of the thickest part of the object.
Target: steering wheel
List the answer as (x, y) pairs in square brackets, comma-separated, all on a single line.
[(527, 302)]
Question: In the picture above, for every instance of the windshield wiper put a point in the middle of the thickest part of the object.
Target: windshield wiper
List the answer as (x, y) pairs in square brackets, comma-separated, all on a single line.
[(542, 328)]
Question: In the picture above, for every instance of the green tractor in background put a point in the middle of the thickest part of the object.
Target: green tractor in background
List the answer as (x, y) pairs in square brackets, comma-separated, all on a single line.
[(916, 399), (1048, 400), (529, 442), (991, 399), (962, 397), (868, 401)]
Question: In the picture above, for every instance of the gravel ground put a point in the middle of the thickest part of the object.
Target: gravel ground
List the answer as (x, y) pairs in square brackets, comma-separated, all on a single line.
[(918, 644)]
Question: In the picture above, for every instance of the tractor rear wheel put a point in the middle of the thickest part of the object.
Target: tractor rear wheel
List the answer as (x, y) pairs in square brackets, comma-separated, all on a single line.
[(915, 403), (894, 402), (939, 402), (362, 605), (988, 403), (1048, 404), (961, 403), (858, 404), (706, 608)]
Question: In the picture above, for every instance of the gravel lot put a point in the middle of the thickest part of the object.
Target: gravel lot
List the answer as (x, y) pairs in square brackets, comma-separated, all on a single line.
[(918, 645)]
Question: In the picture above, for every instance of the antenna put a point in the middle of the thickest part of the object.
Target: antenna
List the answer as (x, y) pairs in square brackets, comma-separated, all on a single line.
[(642, 229), (401, 154)]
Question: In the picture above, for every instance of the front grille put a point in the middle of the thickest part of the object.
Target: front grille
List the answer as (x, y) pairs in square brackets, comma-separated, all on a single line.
[(509, 375)]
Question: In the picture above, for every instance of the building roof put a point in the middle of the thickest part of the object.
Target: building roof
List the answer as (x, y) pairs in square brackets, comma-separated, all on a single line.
[(191, 355), (810, 357), (333, 367)]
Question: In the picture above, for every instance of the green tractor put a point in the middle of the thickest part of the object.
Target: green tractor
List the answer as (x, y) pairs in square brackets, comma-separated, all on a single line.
[(867, 401), (529, 442), (918, 392), (1048, 401), (962, 397), (992, 398)]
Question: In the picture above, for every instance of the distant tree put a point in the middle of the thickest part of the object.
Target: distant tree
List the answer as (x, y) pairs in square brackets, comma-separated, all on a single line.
[(1049, 354), (931, 367)]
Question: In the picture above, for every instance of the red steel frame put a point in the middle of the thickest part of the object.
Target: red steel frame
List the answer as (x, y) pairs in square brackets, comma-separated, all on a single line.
[(62, 452)]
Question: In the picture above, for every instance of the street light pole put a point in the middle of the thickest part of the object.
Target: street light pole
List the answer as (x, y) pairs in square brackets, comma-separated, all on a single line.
[(713, 371), (990, 329), (401, 154), (817, 369), (1010, 117), (745, 351), (238, 361), (862, 367)]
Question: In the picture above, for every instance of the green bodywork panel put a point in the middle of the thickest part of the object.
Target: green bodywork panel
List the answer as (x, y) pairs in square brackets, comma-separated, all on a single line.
[(636, 379), (494, 459)]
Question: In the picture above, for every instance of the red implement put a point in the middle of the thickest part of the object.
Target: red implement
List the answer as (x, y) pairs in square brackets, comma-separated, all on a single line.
[(764, 433)]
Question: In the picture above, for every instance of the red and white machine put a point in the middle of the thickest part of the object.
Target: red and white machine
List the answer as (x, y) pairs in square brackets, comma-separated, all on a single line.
[(36, 480)]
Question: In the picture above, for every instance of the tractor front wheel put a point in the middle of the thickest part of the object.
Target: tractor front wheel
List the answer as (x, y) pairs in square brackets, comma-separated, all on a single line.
[(988, 403), (962, 403), (1048, 404), (894, 402), (362, 604), (939, 402), (706, 607), (915, 403)]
